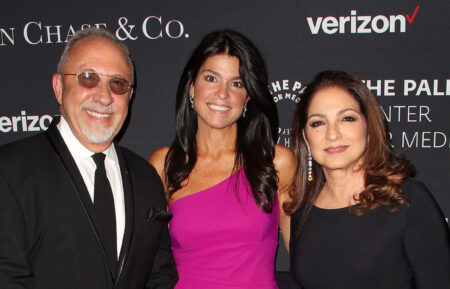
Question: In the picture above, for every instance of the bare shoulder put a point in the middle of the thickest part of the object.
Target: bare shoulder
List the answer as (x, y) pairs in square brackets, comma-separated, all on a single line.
[(284, 158), (157, 159), (285, 166)]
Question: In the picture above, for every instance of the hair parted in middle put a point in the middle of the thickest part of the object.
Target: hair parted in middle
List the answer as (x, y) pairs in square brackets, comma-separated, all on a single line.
[(256, 132)]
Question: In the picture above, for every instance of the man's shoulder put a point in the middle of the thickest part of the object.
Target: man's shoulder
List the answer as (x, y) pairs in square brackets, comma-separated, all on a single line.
[(23, 146), (21, 155), (135, 161), (130, 155)]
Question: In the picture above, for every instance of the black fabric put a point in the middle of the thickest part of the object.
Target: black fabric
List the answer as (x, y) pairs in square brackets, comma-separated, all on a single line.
[(47, 233), (105, 211), (409, 248)]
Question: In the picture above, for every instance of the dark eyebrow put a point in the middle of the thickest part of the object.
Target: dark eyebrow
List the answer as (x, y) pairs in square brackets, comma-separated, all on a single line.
[(209, 70), (316, 114), (218, 74), (347, 109), (339, 112)]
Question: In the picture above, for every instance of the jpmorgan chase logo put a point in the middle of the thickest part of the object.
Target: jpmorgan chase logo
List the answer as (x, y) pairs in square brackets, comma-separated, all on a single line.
[(38, 32), (361, 24), (286, 94)]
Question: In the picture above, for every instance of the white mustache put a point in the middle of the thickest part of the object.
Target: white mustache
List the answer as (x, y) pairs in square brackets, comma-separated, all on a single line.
[(99, 108)]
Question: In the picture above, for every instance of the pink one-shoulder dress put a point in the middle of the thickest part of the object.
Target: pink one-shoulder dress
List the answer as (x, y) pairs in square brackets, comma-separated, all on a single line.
[(221, 239)]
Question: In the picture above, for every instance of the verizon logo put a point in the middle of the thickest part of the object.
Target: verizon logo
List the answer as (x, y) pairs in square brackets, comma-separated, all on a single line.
[(361, 23)]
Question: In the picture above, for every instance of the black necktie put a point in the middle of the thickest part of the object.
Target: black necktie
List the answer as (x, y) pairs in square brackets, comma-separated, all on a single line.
[(105, 211)]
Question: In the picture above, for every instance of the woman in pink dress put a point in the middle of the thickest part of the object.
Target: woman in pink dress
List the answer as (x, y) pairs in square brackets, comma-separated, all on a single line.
[(225, 177)]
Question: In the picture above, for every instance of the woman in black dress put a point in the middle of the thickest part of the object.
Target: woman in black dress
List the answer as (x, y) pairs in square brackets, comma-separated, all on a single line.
[(358, 219)]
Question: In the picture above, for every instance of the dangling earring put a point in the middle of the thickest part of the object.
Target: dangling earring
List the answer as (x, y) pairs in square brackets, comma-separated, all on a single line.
[(310, 176), (191, 99), (245, 110)]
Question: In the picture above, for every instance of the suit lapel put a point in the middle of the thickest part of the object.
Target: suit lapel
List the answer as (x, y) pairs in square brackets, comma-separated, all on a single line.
[(69, 164), (129, 210)]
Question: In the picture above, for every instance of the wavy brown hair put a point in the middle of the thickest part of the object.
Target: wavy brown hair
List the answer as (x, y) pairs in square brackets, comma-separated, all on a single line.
[(384, 170)]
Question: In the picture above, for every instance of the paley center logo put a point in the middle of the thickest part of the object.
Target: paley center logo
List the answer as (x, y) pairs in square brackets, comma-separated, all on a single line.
[(361, 24), (286, 94)]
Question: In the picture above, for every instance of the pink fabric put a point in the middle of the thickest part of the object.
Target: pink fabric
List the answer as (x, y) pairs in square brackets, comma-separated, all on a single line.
[(222, 240)]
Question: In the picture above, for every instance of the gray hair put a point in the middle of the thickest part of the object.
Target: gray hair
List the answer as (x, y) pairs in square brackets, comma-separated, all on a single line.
[(94, 33)]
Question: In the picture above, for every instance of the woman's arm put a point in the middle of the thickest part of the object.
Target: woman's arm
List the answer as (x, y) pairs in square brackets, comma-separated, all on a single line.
[(157, 159)]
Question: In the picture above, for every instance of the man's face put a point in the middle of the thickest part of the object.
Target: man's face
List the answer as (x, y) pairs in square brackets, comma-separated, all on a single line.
[(95, 115)]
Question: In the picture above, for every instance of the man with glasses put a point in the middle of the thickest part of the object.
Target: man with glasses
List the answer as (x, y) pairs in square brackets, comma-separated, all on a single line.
[(76, 210)]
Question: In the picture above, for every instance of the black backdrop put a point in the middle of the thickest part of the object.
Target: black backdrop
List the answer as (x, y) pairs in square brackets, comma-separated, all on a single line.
[(400, 48)]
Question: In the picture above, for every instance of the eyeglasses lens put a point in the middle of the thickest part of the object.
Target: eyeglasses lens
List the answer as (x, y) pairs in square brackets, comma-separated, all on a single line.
[(90, 79), (119, 85)]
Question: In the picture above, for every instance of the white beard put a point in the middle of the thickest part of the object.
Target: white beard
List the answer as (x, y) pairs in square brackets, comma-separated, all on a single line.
[(95, 132)]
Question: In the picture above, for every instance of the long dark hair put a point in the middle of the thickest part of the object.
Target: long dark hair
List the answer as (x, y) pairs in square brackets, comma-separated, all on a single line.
[(384, 170), (256, 133)]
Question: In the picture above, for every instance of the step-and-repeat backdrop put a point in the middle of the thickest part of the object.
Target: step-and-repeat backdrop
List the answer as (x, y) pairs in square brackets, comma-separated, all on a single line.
[(400, 48)]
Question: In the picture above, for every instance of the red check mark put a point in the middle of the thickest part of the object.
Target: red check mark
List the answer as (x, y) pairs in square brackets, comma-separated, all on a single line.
[(410, 20)]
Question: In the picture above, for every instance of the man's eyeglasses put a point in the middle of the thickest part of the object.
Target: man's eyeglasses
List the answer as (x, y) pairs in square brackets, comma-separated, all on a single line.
[(91, 79)]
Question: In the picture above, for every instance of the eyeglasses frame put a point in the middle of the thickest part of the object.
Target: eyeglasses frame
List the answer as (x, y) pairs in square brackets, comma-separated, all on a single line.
[(130, 84)]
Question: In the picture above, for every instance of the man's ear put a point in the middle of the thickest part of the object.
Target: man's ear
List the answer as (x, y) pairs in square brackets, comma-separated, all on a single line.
[(57, 87)]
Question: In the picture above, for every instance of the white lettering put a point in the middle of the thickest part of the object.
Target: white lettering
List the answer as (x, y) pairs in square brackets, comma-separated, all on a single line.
[(9, 37), (71, 32), (423, 87), (425, 139), (414, 140), (314, 27), (57, 33), (384, 22), (376, 87), (444, 137), (25, 32), (34, 120), (180, 29), (276, 86), (424, 111), (297, 85), (399, 107), (408, 86), (24, 122), (411, 113), (389, 87), (358, 23), (435, 88), (393, 19), (362, 27), (5, 124), (329, 25), (387, 116), (353, 21), (342, 21), (45, 119), (144, 27)]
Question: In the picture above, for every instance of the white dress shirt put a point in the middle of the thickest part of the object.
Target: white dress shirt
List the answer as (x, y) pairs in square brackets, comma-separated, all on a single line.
[(86, 166)]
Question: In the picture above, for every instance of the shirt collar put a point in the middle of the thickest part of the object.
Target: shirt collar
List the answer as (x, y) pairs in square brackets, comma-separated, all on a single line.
[(78, 151)]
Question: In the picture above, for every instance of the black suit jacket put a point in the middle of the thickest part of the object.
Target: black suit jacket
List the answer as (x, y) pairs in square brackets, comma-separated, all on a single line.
[(47, 235)]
